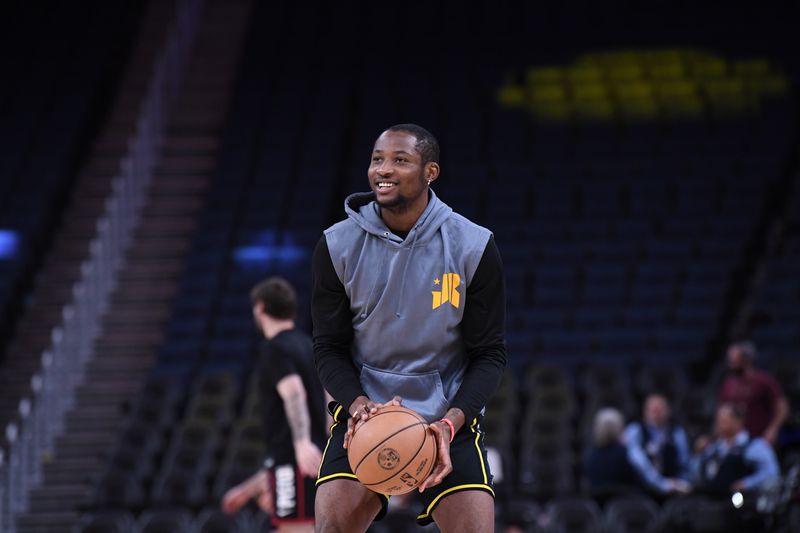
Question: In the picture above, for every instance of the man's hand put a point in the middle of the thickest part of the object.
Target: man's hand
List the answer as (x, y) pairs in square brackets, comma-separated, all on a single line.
[(360, 411), (308, 457), (255, 487), (443, 465), (738, 486), (771, 435), (701, 443), (679, 486)]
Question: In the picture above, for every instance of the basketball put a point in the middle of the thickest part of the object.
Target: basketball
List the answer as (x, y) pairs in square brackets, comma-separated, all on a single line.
[(393, 451)]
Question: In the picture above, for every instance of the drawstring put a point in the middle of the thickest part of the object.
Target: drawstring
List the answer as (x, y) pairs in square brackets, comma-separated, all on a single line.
[(405, 269), (375, 278), (445, 251)]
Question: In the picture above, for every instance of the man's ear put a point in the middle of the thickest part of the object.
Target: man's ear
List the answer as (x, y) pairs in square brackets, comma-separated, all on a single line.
[(431, 171)]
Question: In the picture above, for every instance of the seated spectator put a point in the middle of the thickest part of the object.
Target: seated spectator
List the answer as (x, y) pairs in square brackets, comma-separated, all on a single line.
[(734, 461), (606, 465), (754, 391), (658, 449)]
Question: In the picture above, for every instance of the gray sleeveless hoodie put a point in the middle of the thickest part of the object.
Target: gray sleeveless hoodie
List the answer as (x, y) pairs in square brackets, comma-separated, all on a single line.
[(407, 297)]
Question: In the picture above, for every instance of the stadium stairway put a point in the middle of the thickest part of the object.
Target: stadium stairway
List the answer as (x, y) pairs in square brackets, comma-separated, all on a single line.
[(52, 288), (147, 281)]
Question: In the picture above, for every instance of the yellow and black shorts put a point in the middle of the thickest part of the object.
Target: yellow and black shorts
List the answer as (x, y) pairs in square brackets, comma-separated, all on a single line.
[(467, 453)]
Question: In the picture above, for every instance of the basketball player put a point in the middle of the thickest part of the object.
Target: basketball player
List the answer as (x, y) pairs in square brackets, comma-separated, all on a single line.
[(292, 405), (408, 303)]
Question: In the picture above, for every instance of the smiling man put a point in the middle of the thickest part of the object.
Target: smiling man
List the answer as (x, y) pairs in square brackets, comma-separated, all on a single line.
[(408, 305)]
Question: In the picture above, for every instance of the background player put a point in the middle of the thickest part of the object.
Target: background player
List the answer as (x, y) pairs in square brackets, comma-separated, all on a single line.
[(292, 406)]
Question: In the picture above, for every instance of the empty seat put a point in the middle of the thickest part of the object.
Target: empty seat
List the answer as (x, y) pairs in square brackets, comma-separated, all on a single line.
[(165, 521), (106, 522), (593, 318), (119, 489), (556, 401), (213, 520), (567, 342), (544, 377), (668, 379), (545, 479), (597, 378), (576, 515), (178, 487), (630, 515)]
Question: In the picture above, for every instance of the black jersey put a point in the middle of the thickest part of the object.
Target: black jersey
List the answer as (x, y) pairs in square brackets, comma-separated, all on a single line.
[(289, 352)]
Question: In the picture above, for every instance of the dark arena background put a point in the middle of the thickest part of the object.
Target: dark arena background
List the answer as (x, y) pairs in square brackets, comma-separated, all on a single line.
[(636, 162)]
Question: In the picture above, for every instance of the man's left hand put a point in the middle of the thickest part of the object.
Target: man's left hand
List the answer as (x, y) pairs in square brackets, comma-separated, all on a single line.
[(443, 465), (308, 457), (255, 487)]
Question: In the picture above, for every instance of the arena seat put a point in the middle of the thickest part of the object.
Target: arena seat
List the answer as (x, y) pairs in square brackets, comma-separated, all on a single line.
[(213, 520), (630, 515), (166, 521), (579, 515), (106, 522)]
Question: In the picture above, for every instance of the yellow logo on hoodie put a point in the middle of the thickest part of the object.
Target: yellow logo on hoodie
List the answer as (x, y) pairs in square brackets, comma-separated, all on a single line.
[(449, 292)]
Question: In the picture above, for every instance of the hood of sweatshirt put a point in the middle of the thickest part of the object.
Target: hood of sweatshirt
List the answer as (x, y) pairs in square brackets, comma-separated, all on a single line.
[(364, 211)]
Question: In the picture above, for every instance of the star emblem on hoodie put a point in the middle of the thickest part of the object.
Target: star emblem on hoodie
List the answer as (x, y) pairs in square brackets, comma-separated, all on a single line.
[(449, 291)]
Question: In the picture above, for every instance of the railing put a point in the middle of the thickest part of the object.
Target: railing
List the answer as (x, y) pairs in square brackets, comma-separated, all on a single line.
[(30, 438)]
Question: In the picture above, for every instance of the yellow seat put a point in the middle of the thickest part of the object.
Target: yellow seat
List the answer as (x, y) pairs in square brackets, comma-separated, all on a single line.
[(667, 71), (547, 92), (548, 101), (625, 72), (554, 111), (752, 68), (590, 91), (636, 99), (679, 98), (727, 96), (670, 89), (708, 68), (512, 95), (639, 108), (601, 109), (584, 74), (633, 90), (544, 75)]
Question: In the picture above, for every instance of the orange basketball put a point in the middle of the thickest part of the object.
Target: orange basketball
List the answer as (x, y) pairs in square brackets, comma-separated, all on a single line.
[(393, 451)]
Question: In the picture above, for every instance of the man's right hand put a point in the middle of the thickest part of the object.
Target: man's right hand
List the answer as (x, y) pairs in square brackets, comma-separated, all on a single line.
[(360, 411), (701, 443), (308, 457), (679, 486)]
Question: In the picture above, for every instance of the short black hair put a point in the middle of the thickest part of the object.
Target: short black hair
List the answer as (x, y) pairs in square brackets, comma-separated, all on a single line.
[(426, 144), (278, 297)]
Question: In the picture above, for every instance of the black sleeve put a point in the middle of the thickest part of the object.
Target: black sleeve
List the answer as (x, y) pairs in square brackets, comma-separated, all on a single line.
[(333, 329), (483, 331)]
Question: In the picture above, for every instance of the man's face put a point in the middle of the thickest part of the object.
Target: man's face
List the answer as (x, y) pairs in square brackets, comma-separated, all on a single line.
[(258, 311), (396, 173), (737, 362), (656, 411), (726, 425)]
